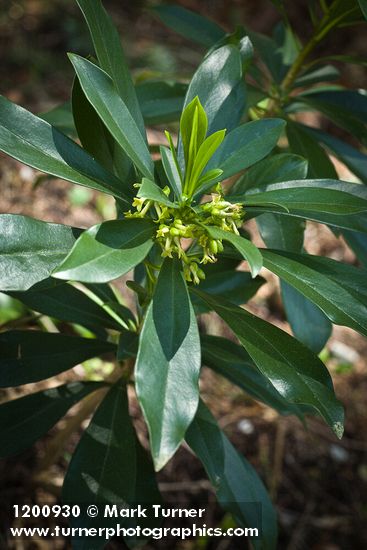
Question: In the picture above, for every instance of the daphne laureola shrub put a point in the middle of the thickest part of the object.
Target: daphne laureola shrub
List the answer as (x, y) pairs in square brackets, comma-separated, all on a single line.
[(181, 230)]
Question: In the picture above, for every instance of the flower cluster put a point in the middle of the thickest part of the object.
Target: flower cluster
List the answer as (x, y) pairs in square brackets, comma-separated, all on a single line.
[(183, 232)]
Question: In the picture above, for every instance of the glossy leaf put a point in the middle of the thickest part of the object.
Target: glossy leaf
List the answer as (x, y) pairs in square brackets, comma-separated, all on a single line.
[(281, 167), (150, 190), (61, 117), (107, 251), (309, 324), (270, 53), (340, 109), (35, 142), (30, 249), (218, 82), (245, 247), (240, 39), (352, 101), (92, 133), (128, 345), (168, 364), (281, 232), (110, 467), (110, 55), (233, 362), (300, 142), (30, 356), (309, 197), (355, 160), (66, 303), (337, 289), (98, 141), (24, 420), (239, 490), (236, 286), (298, 375), (246, 145), (324, 73), (172, 171), (101, 92), (189, 24), (161, 101), (356, 221)]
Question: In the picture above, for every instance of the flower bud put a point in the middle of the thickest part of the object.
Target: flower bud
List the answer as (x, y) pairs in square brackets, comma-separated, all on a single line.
[(213, 245)]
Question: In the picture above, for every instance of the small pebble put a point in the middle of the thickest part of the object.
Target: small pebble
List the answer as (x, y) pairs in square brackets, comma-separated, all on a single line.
[(339, 454), (246, 426)]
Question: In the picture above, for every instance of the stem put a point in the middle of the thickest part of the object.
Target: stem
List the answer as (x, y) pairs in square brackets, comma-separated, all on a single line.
[(324, 27), (106, 307), (57, 445), (73, 423)]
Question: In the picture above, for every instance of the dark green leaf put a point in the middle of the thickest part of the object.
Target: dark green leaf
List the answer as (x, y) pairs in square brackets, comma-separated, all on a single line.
[(282, 167), (24, 420), (239, 490), (236, 286), (109, 466), (110, 55), (314, 76), (339, 107), (233, 362), (61, 117), (65, 302), (270, 53), (309, 197), (168, 364), (353, 102), (150, 190), (300, 142), (339, 290), (189, 24), (128, 345), (92, 133), (309, 324), (246, 145), (35, 142), (298, 375), (161, 101), (30, 356), (245, 247), (30, 250), (101, 92), (350, 156), (107, 251), (240, 39), (218, 83), (356, 59), (281, 232), (289, 44), (363, 6), (356, 222)]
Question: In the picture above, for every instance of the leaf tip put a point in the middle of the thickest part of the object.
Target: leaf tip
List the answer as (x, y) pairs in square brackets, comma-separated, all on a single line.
[(338, 429)]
